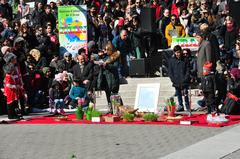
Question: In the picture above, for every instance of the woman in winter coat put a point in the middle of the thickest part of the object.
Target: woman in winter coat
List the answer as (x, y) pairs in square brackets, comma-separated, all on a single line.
[(108, 78), (40, 61)]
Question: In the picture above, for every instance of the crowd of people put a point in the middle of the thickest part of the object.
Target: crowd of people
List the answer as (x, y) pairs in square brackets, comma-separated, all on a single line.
[(34, 74)]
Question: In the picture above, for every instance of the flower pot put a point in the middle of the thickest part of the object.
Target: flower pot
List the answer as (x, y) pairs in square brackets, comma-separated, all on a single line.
[(79, 113), (171, 111), (88, 116), (112, 118)]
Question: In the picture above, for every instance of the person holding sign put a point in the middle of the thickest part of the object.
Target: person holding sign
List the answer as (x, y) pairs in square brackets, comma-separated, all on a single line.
[(174, 29)]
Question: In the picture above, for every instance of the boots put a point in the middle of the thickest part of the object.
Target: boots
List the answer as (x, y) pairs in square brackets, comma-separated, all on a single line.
[(110, 109), (12, 112)]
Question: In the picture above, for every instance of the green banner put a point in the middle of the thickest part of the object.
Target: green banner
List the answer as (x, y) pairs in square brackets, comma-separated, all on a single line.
[(188, 42), (72, 25)]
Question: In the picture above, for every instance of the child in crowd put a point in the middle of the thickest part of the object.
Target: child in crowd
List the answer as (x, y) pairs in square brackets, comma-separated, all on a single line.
[(78, 93), (56, 95), (208, 85), (11, 91)]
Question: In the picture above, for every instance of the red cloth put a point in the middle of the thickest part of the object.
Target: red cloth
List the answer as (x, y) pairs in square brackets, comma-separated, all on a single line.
[(200, 118)]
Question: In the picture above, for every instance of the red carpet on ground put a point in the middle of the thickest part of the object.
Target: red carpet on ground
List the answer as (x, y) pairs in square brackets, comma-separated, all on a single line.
[(199, 120)]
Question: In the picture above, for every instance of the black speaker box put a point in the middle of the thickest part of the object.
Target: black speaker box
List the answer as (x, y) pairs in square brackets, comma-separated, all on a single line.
[(148, 18), (234, 6), (139, 67)]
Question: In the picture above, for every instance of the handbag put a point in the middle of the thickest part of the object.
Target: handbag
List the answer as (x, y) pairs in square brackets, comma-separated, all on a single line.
[(231, 105)]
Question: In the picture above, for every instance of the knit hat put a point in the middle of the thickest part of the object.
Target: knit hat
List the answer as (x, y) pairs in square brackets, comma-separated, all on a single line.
[(45, 70), (4, 49), (207, 67), (67, 54), (17, 40), (8, 68), (8, 57), (235, 72), (120, 21), (91, 45)]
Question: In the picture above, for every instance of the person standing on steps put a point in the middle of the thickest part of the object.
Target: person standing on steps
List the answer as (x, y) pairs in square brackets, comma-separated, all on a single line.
[(179, 73)]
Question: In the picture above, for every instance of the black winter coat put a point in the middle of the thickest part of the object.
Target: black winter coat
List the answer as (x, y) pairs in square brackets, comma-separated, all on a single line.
[(179, 72), (64, 66), (45, 18), (86, 74)]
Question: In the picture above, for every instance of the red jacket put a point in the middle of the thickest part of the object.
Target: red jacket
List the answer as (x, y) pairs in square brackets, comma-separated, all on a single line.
[(10, 89), (17, 76), (158, 11)]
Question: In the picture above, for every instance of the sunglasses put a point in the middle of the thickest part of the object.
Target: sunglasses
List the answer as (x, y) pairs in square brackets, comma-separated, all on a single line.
[(173, 19)]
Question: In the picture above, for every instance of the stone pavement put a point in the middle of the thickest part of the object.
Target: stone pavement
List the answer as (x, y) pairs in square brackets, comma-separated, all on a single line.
[(108, 141)]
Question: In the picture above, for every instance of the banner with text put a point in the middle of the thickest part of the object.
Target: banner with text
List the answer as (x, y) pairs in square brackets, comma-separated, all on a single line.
[(72, 25), (188, 42)]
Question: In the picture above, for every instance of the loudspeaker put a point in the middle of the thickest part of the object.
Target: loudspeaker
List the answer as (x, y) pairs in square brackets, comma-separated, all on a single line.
[(234, 6), (148, 18), (139, 67)]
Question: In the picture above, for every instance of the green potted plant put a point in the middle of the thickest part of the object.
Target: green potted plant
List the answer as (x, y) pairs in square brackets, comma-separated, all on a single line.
[(128, 117), (79, 113), (150, 117), (89, 111), (96, 116), (171, 107)]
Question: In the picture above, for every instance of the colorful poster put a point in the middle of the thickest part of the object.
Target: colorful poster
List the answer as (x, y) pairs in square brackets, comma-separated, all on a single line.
[(72, 25), (188, 42)]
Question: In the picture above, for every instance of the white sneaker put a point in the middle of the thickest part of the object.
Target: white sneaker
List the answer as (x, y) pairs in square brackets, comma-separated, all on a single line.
[(209, 118), (220, 119)]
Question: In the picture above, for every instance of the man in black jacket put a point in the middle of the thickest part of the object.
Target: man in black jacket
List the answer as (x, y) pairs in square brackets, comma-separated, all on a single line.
[(67, 63), (83, 71), (5, 10), (179, 73), (47, 18)]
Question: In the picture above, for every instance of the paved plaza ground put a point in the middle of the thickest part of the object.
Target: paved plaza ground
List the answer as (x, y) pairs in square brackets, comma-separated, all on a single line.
[(117, 142)]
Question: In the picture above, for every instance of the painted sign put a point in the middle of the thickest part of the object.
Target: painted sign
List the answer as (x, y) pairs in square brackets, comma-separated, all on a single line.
[(72, 25), (188, 42)]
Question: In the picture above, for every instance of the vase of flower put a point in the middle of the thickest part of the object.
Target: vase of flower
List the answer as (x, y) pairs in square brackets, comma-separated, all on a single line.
[(89, 111), (79, 113), (171, 107)]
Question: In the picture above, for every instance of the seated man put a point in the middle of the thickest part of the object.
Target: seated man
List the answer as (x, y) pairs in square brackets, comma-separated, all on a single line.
[(83, 71)]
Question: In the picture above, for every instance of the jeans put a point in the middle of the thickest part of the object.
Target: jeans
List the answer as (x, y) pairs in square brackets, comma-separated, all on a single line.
[(180, 93), (59, 103), (124, 65)]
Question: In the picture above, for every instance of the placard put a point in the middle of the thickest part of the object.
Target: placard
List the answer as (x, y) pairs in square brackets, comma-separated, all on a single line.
[(49, 1), (72, 24), (187, 42), (147, 97)]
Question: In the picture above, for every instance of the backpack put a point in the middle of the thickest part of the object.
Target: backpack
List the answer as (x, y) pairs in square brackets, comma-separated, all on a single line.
[(231, 105)]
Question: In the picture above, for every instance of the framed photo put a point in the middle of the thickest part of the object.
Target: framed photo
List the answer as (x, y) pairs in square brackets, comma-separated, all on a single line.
[(147, 97)]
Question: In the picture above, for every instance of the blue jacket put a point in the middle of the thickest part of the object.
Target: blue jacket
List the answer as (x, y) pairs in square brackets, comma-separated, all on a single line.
[(124, 46), (78, 91)]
